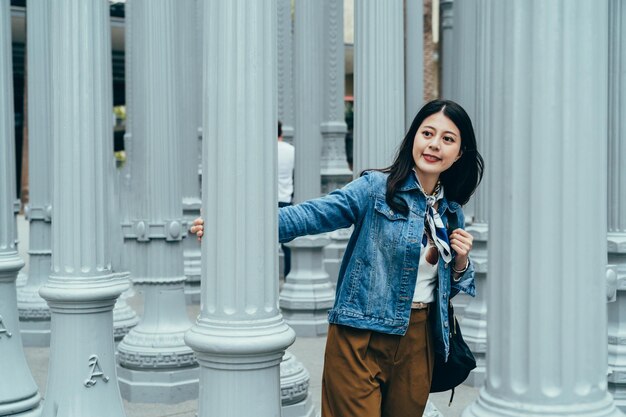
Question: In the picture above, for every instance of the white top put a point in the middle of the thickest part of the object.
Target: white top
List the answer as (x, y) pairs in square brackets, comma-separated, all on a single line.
[(286, 158), (426, 274)]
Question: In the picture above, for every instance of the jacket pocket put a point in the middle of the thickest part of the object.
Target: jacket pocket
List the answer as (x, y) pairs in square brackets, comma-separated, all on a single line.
[(388, 228)]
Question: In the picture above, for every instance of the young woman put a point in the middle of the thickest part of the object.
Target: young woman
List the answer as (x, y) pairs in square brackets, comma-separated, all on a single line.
[(408, 255)]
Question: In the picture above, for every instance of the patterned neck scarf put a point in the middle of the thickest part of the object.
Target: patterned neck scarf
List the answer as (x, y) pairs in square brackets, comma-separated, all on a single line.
[(434, 223)]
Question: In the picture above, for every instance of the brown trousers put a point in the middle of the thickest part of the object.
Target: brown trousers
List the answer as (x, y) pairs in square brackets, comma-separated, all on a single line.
[(371, 374)]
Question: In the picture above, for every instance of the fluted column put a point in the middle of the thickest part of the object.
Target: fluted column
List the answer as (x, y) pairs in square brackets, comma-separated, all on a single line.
[(308, 294), (190, 93), (285, 68), (33, 310), (335, 170), (334, 167), (547, 355), (473, 35), (155, 365), (240, 336), (464, 83), (447, 61), (294, 377), (413, 59), (127, 198), (617, 199), (124, 317), (378, 82), (82, 288), (18, 392)]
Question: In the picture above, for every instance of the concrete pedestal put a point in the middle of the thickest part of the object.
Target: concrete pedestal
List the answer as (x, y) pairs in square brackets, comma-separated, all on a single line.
[(307, 294)]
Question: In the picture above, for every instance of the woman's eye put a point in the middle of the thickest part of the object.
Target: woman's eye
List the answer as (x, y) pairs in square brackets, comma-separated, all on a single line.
[(448, 138), (427, 134)]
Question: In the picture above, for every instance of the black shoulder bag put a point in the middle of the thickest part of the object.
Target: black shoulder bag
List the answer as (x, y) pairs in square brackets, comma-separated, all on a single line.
[(450, 374)]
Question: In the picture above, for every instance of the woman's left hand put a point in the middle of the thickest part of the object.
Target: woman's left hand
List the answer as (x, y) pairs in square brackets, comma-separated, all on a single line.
[(461, 242)]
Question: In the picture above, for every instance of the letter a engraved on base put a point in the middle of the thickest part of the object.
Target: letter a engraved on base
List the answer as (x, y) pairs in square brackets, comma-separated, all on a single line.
[(96, 372), (4, 330)]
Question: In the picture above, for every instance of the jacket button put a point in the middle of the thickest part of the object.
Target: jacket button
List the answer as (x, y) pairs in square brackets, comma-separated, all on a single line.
[(445, 324), (391, 212), (445, 266)]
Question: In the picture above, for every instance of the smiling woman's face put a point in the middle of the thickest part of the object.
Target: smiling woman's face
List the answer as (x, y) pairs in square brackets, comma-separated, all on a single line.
[(436, 147)]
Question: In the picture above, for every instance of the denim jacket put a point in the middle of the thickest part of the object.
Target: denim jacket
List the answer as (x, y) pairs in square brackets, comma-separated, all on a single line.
[(378, 273)]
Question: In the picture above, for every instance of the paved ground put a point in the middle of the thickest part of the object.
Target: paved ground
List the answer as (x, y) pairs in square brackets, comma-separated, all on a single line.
[(308, 350)]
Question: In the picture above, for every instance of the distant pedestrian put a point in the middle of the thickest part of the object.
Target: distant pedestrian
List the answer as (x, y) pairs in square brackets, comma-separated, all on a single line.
[(408, 255)]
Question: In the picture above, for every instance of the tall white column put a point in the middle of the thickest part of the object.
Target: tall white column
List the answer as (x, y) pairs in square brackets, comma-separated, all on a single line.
[(335, 170), (448, 59), (464, 87), (413, 59), (617, 199), (124, 317), (334, 166), (472, 32), (33, 310), (285, 101), (82, 288), (18, 391), (547, 355), (308, 294), (240, 336), (191, 149), (378, 82), (294, 377), (155, 365)]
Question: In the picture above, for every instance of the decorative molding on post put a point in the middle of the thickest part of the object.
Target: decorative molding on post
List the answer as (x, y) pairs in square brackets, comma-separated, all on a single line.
[(378, 82), (334, 166), (18, 391), (33, 310), (82, 288), (294, 388), (155, 365), (307, 294), (616, 243), (547, 356), (190, 149), (413, 59), (285, 68), (240, 336)]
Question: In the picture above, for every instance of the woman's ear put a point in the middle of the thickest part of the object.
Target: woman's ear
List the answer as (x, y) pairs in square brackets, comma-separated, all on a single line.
[(459, 155)]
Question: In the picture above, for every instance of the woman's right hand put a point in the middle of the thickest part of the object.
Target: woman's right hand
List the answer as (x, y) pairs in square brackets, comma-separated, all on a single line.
[(198, 228)]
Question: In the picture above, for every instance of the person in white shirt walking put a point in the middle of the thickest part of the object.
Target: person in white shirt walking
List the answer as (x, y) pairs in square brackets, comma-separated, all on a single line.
[(286, 158)]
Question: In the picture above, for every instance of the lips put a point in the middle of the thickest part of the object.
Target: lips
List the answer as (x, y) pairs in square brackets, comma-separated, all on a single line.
[(430, 158)]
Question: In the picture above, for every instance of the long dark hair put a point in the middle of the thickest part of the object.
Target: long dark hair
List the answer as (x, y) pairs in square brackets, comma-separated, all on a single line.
[(460, 180)]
